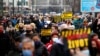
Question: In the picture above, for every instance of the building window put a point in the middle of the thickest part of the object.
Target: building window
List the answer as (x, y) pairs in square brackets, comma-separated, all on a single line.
[(4, 3), (26, 3), (10, 3), (19, 3)]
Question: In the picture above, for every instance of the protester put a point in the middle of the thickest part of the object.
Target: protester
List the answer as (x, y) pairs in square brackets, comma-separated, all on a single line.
[(59, 49), (94, 45), (55, 29), (85, 24), (68, 25), (78, 22), (96, 25), (20, 19), (90, 18), (20, 29), (27, 20), (21, 35), (53, 40), (14, 21), (33, 27), (4, 41), (40, 48), (29, 31), (28, 47), (17, 48), (39, 24)]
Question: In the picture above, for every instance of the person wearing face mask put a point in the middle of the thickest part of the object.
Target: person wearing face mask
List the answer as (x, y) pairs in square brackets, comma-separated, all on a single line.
[(28, 31), (28, 47), (60, 48), (20, 29), (53, 40), (40, 48)]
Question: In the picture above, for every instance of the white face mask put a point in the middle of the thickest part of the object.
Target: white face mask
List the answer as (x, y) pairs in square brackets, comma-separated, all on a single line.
[(48, 22), (55, 40), (45, 26)]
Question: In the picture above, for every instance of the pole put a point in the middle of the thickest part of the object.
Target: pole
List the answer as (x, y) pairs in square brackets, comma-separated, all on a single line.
[(35, 5), (13, 8), (1, 7), (23, 3), (32, 5), (73, 7), (18, 6), (8, 8)]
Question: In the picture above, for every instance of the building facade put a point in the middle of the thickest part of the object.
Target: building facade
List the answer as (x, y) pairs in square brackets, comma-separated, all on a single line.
[(16, 6), (48, 5), (1, 7), (44, 6)]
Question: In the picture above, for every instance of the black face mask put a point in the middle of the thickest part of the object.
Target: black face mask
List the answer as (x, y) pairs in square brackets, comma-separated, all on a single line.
[(20, 27), (21, 31), (37, 44), (28, 31)]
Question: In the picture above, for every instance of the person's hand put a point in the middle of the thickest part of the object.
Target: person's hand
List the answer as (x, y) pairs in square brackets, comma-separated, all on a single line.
[(89, 23), (99, 40), (7, 29)]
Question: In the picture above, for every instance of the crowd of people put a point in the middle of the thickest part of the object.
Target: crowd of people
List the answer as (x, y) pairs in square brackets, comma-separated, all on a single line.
[(20, 35)]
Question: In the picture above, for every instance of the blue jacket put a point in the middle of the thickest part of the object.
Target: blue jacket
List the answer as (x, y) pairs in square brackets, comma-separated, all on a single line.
[(14, 21)]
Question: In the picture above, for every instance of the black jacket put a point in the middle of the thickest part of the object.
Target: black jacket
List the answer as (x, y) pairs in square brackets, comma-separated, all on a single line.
[(27, 21), (5, 45), (41, 50), (95, 27), (14, 53), (58, 50), (92, 51)]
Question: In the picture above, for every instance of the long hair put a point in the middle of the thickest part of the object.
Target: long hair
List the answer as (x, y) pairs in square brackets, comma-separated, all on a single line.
[(91, 51)]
